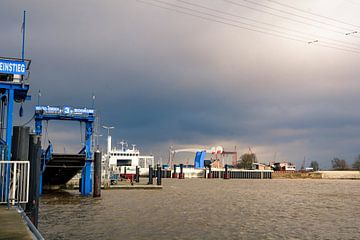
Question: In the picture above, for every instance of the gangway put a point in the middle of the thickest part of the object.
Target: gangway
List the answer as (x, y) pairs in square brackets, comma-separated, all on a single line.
[(59, 168), (62, 167)]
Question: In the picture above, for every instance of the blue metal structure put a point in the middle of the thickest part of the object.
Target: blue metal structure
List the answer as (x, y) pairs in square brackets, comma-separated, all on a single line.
[(45, 158), (199, 159), (13, 88), (46, 113)]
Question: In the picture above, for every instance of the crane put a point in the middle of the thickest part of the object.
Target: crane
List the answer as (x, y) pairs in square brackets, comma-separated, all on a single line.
[(199, 157)]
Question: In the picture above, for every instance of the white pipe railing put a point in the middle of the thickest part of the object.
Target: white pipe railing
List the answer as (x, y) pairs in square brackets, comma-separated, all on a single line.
[(14, 181)]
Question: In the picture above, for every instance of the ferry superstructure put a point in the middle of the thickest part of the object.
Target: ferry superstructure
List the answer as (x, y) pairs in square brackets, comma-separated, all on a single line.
[(125, 160)]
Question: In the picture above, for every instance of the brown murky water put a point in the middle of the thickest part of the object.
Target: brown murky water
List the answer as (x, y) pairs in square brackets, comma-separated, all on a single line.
[(209, 209)]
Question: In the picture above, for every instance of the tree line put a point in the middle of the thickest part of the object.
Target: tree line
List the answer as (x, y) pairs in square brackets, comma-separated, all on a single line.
[(341, 164), (247, 159)]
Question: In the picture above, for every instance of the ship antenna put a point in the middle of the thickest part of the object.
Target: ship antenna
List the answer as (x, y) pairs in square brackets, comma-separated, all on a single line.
[(122, 145)]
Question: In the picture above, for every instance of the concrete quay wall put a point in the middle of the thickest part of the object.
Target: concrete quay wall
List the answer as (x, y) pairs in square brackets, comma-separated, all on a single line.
[(340, 174)]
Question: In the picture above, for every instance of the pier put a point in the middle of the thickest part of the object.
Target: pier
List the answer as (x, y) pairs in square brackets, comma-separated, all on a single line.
[(15, 225), (216, 173)]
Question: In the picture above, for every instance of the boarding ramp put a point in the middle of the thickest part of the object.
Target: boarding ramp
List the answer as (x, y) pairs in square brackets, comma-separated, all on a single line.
[(57, 169), (62, 167)]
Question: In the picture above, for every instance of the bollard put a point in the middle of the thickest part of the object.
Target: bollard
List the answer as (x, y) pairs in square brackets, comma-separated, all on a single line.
[(20, 143), (97, 174), (137, 174), (181, 174), (158, 173), (174, 175), (210, 174), (226, 173), (32, 207), (150, 175)]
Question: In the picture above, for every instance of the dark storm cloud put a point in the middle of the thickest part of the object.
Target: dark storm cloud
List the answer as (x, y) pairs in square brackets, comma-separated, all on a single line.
[(161, 78)]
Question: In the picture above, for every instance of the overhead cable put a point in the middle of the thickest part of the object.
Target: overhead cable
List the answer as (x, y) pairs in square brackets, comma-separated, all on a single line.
[(296, 15), (284, 36), (315, 36), (312, 13), (285, 17)]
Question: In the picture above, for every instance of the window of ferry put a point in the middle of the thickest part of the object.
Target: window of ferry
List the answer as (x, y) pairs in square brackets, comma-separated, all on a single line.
[(121, 162)]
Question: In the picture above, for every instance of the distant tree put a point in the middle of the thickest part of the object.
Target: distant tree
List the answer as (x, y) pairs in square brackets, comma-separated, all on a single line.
[(356, 164), (314, 165), (246, 160), (339, 164)]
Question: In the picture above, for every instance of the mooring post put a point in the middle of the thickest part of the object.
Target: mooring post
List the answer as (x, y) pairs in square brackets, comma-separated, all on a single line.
[(97, 174), (137, 174), (181, 174), (20, 143), (226, 173), (210, 173), (150, 175), (32, 207), (158, 173), (174, 175)]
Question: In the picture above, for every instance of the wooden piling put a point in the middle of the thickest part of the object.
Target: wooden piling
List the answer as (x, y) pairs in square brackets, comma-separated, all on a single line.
[(97, 174)]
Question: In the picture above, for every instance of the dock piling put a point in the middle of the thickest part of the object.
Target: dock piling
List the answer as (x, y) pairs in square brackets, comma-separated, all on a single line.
[(158, 174), (175, 175), (150, 182), (210, 175), (97, 174), (226, 173), (181, 174), (32, 207), (137, 174)]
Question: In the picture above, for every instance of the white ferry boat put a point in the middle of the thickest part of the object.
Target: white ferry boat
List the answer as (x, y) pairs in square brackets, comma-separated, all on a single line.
[(124, 160)]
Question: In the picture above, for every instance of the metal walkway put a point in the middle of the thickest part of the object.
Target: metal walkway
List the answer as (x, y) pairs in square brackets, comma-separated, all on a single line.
[(62, 167)]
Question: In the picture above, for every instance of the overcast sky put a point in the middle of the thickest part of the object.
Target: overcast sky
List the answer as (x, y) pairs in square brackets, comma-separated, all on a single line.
[(162, 77)]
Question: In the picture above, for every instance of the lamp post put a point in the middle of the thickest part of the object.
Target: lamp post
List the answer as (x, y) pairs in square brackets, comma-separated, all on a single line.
[(108, 137)]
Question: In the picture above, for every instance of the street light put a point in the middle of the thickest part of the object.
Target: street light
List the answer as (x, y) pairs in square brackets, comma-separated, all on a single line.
[(108, 138), (108, 128)]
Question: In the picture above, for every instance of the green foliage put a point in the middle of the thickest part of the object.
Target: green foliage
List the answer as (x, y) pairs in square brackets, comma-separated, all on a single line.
[(339, 164), (356, 164), (314, 165), (246, 160)]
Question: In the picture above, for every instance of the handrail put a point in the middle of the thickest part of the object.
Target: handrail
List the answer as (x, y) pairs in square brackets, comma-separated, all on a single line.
[(31, 226), (14, 181)]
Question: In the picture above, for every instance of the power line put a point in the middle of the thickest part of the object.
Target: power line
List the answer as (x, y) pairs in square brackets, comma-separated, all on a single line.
[(283, 17), (228, 19), (272, 25), (218, 21), (288, 37), (255, 26), (296, 15), (312, 13), (217, 16)]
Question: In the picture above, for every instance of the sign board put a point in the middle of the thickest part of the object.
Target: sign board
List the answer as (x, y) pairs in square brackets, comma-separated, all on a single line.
[(68, 111), (12, 67)]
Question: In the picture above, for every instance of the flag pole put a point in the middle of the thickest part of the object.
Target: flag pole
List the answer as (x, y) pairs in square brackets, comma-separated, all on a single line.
[(23, 37)]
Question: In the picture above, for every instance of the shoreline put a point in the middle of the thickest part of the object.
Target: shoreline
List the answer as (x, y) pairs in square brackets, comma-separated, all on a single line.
[(346, 175)]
